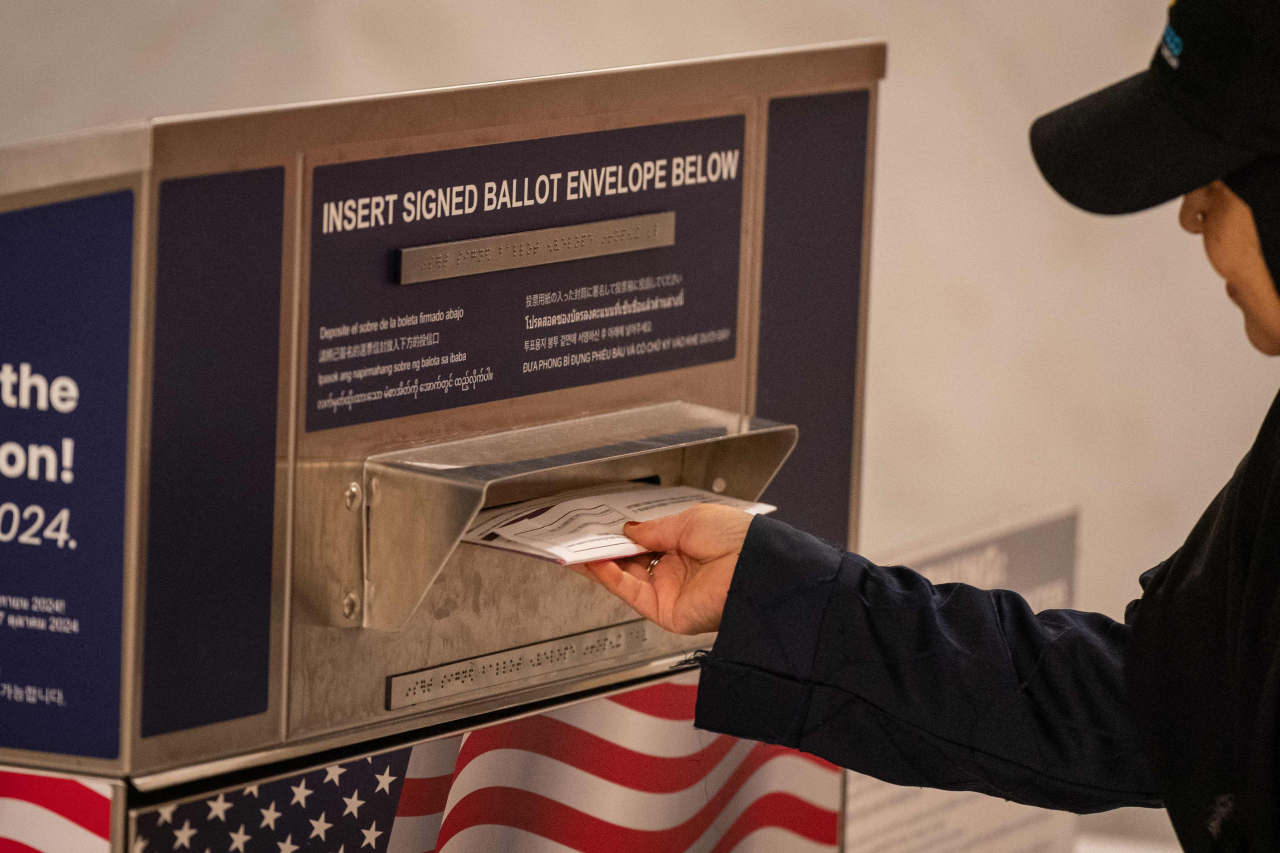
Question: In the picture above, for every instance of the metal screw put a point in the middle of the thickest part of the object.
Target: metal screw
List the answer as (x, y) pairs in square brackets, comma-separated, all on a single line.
[(349, 605), (718, 485), (353, 495)]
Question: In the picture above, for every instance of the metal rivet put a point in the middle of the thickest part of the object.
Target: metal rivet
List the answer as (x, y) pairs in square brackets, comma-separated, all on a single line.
[(718, 485), (349, 605), (353, 495)]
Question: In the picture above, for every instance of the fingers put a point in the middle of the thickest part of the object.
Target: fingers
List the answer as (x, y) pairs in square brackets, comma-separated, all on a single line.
[(638, 593), (703, 532), (661, 534), (637, 566)]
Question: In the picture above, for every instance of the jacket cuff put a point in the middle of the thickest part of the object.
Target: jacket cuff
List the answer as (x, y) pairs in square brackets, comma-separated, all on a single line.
[(748, 703), (754, 680), (773, 613)]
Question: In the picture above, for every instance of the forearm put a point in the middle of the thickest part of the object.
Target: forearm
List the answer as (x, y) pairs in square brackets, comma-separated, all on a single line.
[(949, 687)]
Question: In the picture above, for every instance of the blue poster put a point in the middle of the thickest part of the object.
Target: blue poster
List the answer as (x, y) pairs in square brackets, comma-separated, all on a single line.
[(65, 282)]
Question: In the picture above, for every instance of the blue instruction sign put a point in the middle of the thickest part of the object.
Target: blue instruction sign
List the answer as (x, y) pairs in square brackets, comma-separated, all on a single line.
[(65, 285), (540, 265)]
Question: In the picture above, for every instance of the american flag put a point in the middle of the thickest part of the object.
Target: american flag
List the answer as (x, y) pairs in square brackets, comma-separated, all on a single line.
[(53, 814), (623, 773), (339, 808)]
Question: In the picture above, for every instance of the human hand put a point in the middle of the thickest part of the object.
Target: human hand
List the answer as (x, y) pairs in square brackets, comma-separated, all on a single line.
[(686, 591)]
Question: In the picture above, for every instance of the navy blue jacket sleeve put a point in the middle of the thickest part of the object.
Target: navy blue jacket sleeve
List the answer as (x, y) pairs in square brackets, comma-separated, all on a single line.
[(877, 670)]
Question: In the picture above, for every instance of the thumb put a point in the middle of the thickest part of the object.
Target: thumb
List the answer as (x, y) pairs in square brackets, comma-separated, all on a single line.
[(660, 534)]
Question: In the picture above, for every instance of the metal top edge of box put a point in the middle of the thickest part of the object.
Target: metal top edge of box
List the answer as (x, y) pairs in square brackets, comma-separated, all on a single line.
[(71, 158), (105, 152)]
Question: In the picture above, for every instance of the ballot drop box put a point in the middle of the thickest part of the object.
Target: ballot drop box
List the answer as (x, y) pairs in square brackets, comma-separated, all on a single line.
[(261, 372)]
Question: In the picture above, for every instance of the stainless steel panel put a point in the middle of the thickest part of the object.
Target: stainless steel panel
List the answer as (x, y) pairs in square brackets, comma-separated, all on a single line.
[(414, 523), (534, 248), (328, 577), (483, 601)]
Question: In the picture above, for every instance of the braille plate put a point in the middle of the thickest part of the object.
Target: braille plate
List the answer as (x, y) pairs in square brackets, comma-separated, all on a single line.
[(534, 248), (509, 668)]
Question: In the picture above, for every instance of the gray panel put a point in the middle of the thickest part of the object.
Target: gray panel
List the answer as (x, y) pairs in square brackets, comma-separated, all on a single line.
[(1037, 561)]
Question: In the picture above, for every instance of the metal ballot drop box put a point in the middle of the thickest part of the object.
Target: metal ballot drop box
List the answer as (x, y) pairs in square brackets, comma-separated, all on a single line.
[(261, 369)]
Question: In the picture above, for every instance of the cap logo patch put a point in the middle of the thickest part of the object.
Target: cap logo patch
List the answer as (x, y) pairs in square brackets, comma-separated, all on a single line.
[(1171, 47)]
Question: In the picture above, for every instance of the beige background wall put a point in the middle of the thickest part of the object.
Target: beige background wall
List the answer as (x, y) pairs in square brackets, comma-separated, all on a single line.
[(1022, 354)]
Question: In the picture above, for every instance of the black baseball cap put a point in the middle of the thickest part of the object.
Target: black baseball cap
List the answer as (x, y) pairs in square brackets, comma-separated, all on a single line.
[(1208, 106)]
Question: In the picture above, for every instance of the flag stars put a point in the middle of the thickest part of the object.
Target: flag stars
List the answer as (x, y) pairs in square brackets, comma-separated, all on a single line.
[(384, 780), (353, 804), (309, 820), (269, 816), (218, 808), (319, 827), (300, 793), (238, 839), (182, 837)]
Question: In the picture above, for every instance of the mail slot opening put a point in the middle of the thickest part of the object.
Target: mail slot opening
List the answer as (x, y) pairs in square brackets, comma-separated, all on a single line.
[(422, 500), (499, 497)]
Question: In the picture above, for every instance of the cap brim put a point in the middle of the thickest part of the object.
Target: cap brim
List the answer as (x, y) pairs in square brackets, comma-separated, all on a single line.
[(1127, 148)]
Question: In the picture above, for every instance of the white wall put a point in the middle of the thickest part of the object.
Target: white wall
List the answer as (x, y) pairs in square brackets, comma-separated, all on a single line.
[(1022, 354)]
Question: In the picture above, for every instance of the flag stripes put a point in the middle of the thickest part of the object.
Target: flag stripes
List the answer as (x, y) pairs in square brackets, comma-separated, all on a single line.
[(665, 701), (631, 773), (595, 755), (53, 814), (428, 778), (423, 796), (25, 823), (65, 797), (612, 775)]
